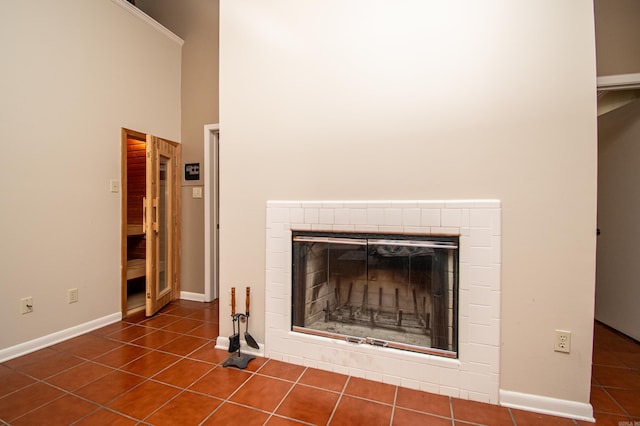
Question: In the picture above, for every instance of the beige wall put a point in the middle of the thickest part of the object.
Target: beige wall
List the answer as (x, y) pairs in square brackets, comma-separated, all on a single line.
[(73, 74), (196, 22), (425, 100), (618, 292), (618, 36)]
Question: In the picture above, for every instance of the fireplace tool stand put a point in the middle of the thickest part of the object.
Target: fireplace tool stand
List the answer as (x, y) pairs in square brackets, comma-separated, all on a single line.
[(238, 359)]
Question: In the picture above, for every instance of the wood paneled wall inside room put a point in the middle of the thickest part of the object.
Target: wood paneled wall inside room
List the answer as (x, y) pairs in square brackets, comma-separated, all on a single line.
[(136, 189)]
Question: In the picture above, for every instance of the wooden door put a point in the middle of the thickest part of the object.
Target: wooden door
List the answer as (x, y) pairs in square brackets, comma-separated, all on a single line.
[(162, 223)]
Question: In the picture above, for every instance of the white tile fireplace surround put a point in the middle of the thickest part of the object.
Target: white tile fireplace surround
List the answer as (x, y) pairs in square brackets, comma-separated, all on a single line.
[(475, 374)]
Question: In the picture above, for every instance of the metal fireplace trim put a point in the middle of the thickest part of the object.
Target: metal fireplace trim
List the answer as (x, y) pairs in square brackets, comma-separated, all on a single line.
[(376, 342), (441, 242)]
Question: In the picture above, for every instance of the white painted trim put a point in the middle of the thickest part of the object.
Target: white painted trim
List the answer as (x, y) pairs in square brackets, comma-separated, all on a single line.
[(211, 132), (545, 405), (57, 337), (148, 20), (196, 297), (223, 343), (619, 82)]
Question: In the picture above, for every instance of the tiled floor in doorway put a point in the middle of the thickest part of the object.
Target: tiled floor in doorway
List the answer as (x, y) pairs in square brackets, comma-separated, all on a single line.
[(165, 370)]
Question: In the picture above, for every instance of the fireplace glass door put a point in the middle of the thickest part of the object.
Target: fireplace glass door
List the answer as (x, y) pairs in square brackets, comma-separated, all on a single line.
[(394, 291)]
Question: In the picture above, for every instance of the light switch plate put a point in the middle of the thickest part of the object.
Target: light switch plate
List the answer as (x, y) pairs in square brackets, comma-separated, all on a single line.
[(197, 192), (114, 185)]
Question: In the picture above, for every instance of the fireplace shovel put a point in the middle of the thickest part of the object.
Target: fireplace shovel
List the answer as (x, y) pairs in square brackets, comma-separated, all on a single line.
[(234, 340), (249, 338)]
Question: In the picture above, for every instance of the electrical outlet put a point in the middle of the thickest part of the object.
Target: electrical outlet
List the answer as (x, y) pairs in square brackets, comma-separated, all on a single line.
[(563, 341), (26, 305), (72, 295)]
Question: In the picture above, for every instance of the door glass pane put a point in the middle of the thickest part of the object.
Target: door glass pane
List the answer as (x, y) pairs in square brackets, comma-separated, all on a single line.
[(163, 219)]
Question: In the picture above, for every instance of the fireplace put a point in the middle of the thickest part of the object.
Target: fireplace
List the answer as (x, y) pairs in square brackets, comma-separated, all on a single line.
[(463, 362), (390, 290)]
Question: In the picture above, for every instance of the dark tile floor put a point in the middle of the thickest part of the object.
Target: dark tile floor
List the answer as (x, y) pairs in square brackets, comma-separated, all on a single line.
[(165, 370)]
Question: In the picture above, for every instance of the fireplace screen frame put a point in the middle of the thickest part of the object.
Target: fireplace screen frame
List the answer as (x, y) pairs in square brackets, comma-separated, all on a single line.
[(444, 342)]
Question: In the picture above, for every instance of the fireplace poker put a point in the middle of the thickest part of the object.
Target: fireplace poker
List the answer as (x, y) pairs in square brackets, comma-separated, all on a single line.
[(234, 340)]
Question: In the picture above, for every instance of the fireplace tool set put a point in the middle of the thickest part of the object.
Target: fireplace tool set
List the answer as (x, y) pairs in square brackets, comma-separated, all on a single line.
[(239, 359)]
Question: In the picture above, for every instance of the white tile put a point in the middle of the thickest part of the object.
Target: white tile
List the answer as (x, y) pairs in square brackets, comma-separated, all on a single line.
[(480, 218), (311, 204), (459, 204), (391, 229), (367, 228), (496, 249), (326, 216), (344, 228), (449, 391), (405, 204), (279, 245), (465, 215), (480, 275), (450, 378), (430, 387), (392, 217), (311, 215), (451, 217), (321, 227), (296, 215), (496, 222), (431, 204), (430, 217), (278, 260), (375, 216), (480, 255), (342, 216), (475, 382), (448, 230), (481, 237), (357, 216), (332, 204), (411, 217), (301, 226), (481, 314), (420, 230), (378, 204)]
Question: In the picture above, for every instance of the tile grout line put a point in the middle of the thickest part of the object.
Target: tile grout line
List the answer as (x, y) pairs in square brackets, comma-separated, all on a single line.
[(285, 396), (393, 408), (453, 420), (335, 407)]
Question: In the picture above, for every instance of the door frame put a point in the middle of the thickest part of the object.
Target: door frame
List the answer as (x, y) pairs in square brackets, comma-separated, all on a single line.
[(211, 211)]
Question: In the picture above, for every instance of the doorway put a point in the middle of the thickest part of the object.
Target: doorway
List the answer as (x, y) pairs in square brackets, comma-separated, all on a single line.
[(211, 210), (617, 269), (150, 255)]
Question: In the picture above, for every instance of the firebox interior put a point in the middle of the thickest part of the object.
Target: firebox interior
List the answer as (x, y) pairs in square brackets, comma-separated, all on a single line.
[(397, 291)]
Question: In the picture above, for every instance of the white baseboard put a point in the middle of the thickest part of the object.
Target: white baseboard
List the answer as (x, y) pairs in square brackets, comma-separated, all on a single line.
[(546, 405), (57, 337), (196, 297), (223, 343)]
